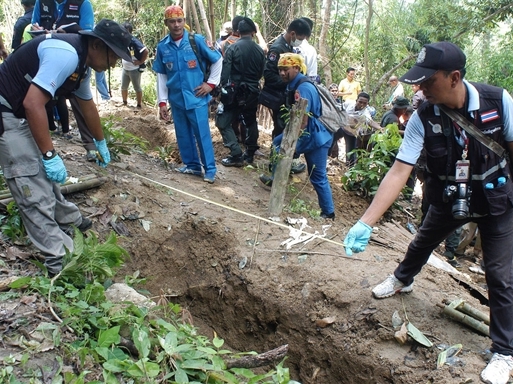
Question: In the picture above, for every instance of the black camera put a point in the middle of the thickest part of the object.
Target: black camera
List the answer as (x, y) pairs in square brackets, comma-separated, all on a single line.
[(460, 195)]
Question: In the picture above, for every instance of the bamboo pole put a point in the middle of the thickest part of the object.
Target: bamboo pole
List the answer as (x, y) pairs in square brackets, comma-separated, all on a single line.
[(465, 319), (204, 19), (89, 182), (212, 21), (195, 16), (287, 148), (462, 306)]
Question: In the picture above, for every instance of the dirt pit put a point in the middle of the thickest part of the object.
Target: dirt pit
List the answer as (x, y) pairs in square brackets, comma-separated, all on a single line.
[(212, 249)]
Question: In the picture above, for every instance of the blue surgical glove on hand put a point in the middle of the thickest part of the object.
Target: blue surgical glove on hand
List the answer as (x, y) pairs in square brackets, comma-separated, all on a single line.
[(55, 169), (101, 146), (357, 238)]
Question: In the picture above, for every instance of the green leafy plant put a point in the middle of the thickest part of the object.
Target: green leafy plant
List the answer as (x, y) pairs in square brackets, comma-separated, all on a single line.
[(12, 225), (374, 162), (119, 141), (124, 342), (164, 154)]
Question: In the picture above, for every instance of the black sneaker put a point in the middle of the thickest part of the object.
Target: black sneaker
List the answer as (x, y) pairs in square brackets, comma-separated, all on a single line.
[(328, 215), (85, 224), (266, 180), (247, 158), (233, 161), (297, 167)]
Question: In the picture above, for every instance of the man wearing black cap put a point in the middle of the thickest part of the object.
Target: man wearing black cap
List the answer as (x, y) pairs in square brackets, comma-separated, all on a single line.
[(466, 181), (399, 106), (50, 65), (243, 67)]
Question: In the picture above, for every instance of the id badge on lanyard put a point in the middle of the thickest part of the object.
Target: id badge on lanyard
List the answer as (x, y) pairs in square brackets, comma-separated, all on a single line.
[(462, 174)]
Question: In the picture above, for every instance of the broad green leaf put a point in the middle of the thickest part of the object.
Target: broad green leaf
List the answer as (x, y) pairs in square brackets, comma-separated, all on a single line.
[(181, 376), (141, 341), (21, 282), (109, 378), (218, 342), (202, 365), (150, 368), (135, 370), (418, 336), (109, 337), (115, 365)]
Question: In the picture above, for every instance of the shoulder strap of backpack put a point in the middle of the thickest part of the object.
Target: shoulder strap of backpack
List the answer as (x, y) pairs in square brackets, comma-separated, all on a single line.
[(304, 80), (194, 46)]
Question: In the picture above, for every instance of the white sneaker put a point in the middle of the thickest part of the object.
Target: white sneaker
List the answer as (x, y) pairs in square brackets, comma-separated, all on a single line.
[(498, 369), (390, 287)]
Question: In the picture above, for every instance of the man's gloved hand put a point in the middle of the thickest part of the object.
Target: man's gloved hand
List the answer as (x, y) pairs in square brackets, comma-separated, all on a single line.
[(55, 169), (357, 238), (101, 146)]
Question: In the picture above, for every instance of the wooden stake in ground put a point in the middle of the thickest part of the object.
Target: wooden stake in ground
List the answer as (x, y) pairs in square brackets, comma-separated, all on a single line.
[(284, 161)]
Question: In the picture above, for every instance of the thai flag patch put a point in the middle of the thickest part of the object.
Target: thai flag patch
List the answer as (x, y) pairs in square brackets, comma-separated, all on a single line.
[(73, 7), (489, 116)]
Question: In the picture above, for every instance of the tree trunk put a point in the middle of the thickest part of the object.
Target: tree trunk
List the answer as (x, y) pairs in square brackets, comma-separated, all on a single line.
[(368, 24), (287, 149), (323, 52)]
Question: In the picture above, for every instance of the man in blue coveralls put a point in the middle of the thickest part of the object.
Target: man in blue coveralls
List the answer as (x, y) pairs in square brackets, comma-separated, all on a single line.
[(181, 81)]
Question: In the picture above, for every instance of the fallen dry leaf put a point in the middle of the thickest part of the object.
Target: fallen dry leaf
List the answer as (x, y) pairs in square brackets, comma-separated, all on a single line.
[(402, 335)]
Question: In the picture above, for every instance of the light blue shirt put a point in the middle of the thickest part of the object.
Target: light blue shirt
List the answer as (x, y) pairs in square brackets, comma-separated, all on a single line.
[(413, 141), (57, 61), (86, 14)]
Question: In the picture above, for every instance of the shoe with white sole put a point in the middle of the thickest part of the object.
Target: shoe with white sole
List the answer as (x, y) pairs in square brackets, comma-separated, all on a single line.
[(390, 287), (498, 369)]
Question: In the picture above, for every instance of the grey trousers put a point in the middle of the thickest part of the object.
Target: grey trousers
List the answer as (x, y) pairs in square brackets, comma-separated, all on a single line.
[(43, 209)]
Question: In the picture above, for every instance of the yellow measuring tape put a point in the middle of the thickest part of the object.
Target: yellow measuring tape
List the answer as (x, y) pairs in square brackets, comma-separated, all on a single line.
[(232, 209)]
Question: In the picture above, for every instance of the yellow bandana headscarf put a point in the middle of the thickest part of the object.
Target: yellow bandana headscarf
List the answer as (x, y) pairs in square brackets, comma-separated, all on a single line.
[(292, 60), (173, 11)]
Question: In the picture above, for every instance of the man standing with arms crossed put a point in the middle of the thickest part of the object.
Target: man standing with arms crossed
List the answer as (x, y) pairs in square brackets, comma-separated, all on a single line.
[(180, 80), (455, 159)]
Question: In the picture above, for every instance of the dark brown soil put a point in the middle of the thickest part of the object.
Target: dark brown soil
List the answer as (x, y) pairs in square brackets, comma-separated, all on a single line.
[(212, 249)]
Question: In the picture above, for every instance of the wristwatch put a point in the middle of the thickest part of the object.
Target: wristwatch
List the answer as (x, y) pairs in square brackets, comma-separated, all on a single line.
[(49, 154)]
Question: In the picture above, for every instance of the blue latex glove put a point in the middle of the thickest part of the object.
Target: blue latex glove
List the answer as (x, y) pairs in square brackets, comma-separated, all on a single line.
[(101, 146), (55, 169), (357, 238)]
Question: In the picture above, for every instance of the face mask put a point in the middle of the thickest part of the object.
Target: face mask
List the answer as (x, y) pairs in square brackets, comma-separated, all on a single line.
[(296, 43)]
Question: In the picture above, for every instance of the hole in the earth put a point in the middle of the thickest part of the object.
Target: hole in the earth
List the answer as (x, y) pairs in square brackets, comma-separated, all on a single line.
[(473, 291), (197, 264)]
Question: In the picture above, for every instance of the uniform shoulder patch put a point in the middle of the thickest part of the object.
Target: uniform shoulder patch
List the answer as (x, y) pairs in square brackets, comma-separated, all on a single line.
[(273, 56)]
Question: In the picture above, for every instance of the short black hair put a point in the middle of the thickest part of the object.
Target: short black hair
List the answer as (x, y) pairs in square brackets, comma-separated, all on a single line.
[(309, 22), (349, 69), (128, 27), (365, 95), (235, 22), (247, 26), (28, 3), (299, 26)]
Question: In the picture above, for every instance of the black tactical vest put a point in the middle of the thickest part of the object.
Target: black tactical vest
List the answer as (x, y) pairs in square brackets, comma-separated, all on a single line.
[(48, 12), (18, 70), (442, 152)]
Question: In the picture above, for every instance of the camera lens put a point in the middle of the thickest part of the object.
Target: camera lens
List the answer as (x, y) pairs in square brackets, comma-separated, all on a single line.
[(460, 209)]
